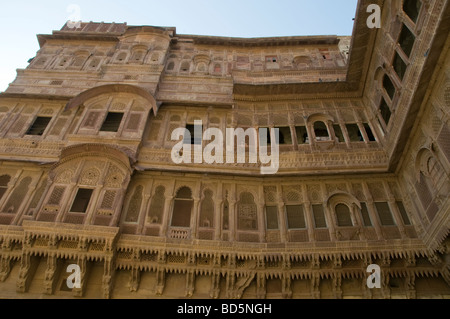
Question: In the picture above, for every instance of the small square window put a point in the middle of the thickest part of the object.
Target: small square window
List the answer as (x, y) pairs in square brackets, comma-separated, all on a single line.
[(112, 122), (39, 126), (271, 59), (81, 202)]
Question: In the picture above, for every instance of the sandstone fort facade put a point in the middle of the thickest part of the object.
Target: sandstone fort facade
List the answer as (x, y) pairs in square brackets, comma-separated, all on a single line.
[(87, 178)]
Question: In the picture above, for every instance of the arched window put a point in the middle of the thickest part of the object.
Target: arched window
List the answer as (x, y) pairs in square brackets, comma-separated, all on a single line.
[(157, 206), (185, 67), (171, 66), (138, 56), (207, 211), (121, 57), (134, 207), (182, 208), (4, 180), (247, 212), (343, 215), (17, 196), (321, 131)]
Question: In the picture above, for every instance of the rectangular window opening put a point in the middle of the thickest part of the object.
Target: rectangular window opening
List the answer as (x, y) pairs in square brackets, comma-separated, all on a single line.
[(369, 133), (399, 66), (406, 40), (285, 136), (295, 217), (81, 202), (354, 133), (385, 214), (272, 217), (385, 111), (403, 213), (39, 126), (112, 122), (319, 216), (302, 135)]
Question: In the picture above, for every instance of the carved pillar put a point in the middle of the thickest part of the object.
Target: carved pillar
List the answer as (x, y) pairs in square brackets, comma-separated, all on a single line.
[(232, 217), (215, 285), (337, 285), (261, 286), (28, 266), (166, 215), (217, 220), (283, 222), (410, 286), (5, 267), (135, 279), (89, 220), (160, 281), (190, 284), (51, 273), (261, 222), (194, 217), (309, 221), (143, 216), (315, 282), (83, 264), (108, 277), (372, 211), (286, 290), (231, 278)]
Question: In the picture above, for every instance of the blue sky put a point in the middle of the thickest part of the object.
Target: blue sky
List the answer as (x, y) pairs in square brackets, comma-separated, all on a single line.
[(21, 20)]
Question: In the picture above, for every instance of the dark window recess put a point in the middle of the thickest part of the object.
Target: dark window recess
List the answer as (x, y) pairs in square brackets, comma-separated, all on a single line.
[(354, 133), (399, 66), (81, 202), (338, 132), (344, 218), (39, 126), (403, 213), (319, 216), (191, 139), (369, 133), (321, 131), (272, 217), (302, 135), (295, 217), (112, 122), (385, 111), (365, 215), (406, 40), (385, 215), (182, 209), (389, 86), (272, 59), (285, 137), (412, 8), (4, 180)]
